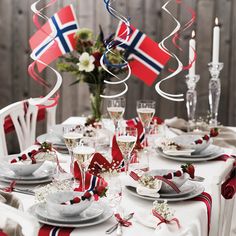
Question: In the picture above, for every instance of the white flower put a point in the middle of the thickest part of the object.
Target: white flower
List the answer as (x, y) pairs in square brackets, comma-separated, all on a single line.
[(86, 62)]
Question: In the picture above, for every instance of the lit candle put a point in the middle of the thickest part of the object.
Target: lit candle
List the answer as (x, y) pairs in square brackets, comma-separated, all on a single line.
[(216, 42), (192, 49)]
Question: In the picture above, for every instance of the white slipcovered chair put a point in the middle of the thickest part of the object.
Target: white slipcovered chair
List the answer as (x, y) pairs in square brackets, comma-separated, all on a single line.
[(13, 220), (24, 121)]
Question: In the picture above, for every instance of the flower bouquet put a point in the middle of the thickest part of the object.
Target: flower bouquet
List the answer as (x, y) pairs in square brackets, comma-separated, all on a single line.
[(84, 63)]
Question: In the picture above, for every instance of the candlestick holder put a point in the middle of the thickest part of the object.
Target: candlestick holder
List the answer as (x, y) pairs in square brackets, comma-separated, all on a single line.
[(191, 99), (214, 90)]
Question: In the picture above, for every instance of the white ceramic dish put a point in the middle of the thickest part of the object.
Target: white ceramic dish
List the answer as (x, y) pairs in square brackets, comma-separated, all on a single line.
[(54, 205), (178, 181), (107, 214), (24, 169), (94, 211), (196, 191), (187, 141)]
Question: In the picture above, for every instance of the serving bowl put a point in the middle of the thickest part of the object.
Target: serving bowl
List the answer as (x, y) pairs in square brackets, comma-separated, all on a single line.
[(54, 203), (178, 181)]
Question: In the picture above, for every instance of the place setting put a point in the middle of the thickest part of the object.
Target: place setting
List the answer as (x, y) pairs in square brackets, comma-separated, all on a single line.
[(169, 185), (190, 147), (36, 165)]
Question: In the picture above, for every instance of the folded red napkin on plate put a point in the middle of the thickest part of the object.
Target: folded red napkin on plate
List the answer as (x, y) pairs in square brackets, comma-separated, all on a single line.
[(135, 122), (91, 181)]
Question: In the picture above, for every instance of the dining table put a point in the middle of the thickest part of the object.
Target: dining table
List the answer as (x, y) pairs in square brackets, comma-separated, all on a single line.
[(191, 214)]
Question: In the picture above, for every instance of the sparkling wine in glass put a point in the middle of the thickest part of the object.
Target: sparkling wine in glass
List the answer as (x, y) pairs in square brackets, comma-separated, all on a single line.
[(82, 155), (72, 137), (116, 109), (126, 138), (146, 111)]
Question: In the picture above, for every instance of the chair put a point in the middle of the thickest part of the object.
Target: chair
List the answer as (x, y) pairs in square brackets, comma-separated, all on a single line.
[(11, 217), (24, 121), (222, 208)]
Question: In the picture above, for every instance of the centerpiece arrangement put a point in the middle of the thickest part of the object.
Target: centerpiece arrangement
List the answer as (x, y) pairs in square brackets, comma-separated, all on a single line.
[(84, 63)]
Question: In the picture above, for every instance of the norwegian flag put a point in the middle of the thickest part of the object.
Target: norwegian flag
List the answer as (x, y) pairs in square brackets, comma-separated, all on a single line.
[(54, 38), (146, 58)]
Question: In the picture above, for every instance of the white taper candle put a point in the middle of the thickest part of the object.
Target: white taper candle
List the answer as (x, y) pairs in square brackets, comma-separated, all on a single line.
[(216, 42)]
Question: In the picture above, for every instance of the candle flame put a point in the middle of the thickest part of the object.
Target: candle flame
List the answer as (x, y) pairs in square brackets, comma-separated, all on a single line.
[(193, 34), (216, 21)]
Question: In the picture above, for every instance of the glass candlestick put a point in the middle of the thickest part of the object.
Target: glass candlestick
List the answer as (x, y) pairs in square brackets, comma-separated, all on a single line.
[(191, 98), (214, 90)]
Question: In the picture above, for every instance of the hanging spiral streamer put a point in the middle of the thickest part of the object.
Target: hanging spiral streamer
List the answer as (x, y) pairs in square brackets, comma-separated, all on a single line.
[(169, 96), (105, 62), (184, 28), (31, 68)]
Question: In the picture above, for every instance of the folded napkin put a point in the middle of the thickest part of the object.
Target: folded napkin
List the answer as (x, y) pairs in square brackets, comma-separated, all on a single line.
[(91, 181), (183, 152), (228, 188), (8, 226), (47, 230), (177, 123), (135, 122), (140, 189), (147, 219)]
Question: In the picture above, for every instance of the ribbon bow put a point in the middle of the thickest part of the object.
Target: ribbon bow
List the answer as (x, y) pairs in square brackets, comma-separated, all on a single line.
[(10, 188), (122, 221), (163, 220)]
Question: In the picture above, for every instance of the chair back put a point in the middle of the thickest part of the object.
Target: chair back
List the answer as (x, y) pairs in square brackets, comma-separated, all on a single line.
[(24, 119)]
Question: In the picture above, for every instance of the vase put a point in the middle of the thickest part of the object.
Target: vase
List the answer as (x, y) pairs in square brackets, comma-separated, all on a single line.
[(96, 100)]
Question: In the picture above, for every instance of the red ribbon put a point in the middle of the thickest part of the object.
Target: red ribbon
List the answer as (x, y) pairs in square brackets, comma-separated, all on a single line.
[(163, 220), (10, 188), (122, 221)]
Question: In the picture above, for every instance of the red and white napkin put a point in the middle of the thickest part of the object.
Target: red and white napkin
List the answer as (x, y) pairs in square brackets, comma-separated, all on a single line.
[(228, 188)]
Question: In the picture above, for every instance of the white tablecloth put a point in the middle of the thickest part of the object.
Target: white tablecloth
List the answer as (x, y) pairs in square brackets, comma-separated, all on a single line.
[(192, 215)]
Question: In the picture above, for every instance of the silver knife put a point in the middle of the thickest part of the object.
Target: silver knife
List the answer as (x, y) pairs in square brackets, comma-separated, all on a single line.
[(114, 227), (18, 190)]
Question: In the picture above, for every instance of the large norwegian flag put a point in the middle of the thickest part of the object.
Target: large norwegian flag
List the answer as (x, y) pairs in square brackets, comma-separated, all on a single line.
[(146, 58), (55, 37)]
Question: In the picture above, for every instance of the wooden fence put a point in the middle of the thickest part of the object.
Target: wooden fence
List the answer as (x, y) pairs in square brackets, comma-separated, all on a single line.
[(16, 27)]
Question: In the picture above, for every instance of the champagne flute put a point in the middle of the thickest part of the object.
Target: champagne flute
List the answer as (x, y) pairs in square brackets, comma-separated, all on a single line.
[(82, 155), (116, 109), (146, 111), (126, 138), (72, 136)]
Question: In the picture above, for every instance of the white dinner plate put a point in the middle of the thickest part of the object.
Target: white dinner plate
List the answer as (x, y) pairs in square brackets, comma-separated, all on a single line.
[(94, 211), (197, 191), (52, 139), (107, 214), (205, 155), (38, 175)]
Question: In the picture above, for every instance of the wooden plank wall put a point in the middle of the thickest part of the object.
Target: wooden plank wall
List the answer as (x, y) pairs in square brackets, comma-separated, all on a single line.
[(16, 27)]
